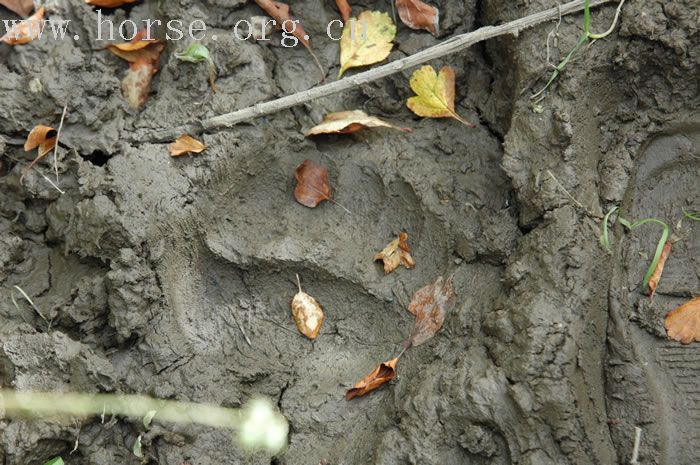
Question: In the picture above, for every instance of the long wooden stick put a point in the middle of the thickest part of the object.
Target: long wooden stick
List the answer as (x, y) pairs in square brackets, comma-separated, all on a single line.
[(449, 46)]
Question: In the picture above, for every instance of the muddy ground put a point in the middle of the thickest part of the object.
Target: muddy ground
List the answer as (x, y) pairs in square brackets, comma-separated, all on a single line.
[(147, 264)]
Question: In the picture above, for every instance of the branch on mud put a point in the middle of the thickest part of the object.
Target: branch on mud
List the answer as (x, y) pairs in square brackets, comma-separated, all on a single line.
[(449, 46)]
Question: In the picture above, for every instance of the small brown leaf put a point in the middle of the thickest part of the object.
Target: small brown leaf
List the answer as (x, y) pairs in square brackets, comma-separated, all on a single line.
[(418, 15), (386, 371), (186, 144), (25, 31), (307, 313), (430, 304), (21, 7), (396, 253), (348, 122), (109, 3), (143, 56), (683, 323), (43, 137), (345, 9), (656, 276), (312, 184)]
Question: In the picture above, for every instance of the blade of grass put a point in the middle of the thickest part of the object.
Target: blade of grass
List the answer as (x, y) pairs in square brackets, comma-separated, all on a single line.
[(659, 246), (604, 237), (695, 216)]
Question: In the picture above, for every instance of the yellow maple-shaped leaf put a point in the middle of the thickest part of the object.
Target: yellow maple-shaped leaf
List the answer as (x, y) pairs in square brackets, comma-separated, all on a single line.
[(435, 94), (366, 40)]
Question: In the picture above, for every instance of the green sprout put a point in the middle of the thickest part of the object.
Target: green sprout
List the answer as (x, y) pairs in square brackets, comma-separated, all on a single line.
[(585, 37), (695, 216), (197, 53), (604, 237), (55, 461)]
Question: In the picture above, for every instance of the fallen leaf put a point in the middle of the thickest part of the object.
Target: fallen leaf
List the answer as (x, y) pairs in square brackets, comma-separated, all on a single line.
[(25, 31), (435, 94), (418, 15), (312, 184), (656, 276), (186, 144), (21, 7), (110, 3), (43, 138), (143, 56), (386, 371), (430, 304), (366, 40), (396, 253), (345, 9), (307, 313), (347, 122), (683, 323)]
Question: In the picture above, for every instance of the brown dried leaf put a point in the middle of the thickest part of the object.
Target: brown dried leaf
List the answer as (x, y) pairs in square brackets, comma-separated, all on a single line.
[(430, 304), (656, 276), (348, 122), (21, 7), (307, 313), (386, 371), (109, 3), (345, 9), (137, 83), (280, 12), (312, 184), (139, 49), (683, 323), (186, 144), (144, 62), (396, 253), (25, 31), (43, 137), (418, 15)]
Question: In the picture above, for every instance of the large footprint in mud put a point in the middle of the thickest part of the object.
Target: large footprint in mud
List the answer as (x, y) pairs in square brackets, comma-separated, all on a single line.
[(652, 381)]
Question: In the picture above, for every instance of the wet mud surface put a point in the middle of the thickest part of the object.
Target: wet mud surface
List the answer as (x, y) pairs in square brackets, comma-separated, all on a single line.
[(149, 266)]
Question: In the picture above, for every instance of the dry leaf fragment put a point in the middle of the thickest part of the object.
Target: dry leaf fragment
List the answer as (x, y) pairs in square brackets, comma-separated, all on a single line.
[(312, 184), (186, 144), (386, 371), (366, 41), (43, 137), (307, 313), (435, 94), (683, 323), (348, 122), (110, 3), (418, 15), (25, 31), (656, 276), (430, 304), (143, 56), (396, 253), (21, 7), (345, 9)]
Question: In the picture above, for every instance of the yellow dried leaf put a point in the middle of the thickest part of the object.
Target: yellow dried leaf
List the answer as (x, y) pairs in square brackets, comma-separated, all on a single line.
[(435, 94), (25, 31), (307, 313), (186, 144), (396, 253), (366, 40), (683, 323), (347, 122)]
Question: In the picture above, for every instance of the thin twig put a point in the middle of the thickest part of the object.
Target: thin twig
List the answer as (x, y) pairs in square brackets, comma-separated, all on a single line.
[(637, 442), (49, 181), (233, 314), (299, 283), (36, 309), (564, 190), (612, 26), (58, 138)]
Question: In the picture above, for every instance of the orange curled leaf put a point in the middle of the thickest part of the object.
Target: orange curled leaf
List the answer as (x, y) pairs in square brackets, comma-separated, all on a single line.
[(312, 184), (42, 137), (348, 122), (418, 15), (140, 48), (683, 323), (396, 253), (143, 56), (430, 304), (186, 144), (386, 371), (110, 3), (25, 31), (656, 276), (21, 7), (344, 9)]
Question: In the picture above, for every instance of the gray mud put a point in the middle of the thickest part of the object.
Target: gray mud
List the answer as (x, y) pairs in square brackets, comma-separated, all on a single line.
[(148, 265)]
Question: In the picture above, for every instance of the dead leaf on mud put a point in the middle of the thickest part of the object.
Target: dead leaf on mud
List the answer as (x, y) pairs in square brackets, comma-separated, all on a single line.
[(656, 276), (683, 323), (21, 7), (307, 313), (143, 56), (366, 41), (386, 371), (396, 253), (345, 9), (430, 304), (110, 3), (25, 31), (418, 15), (348, 122), (186, 144), (43, 138), (435, 94), (312, 184)]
